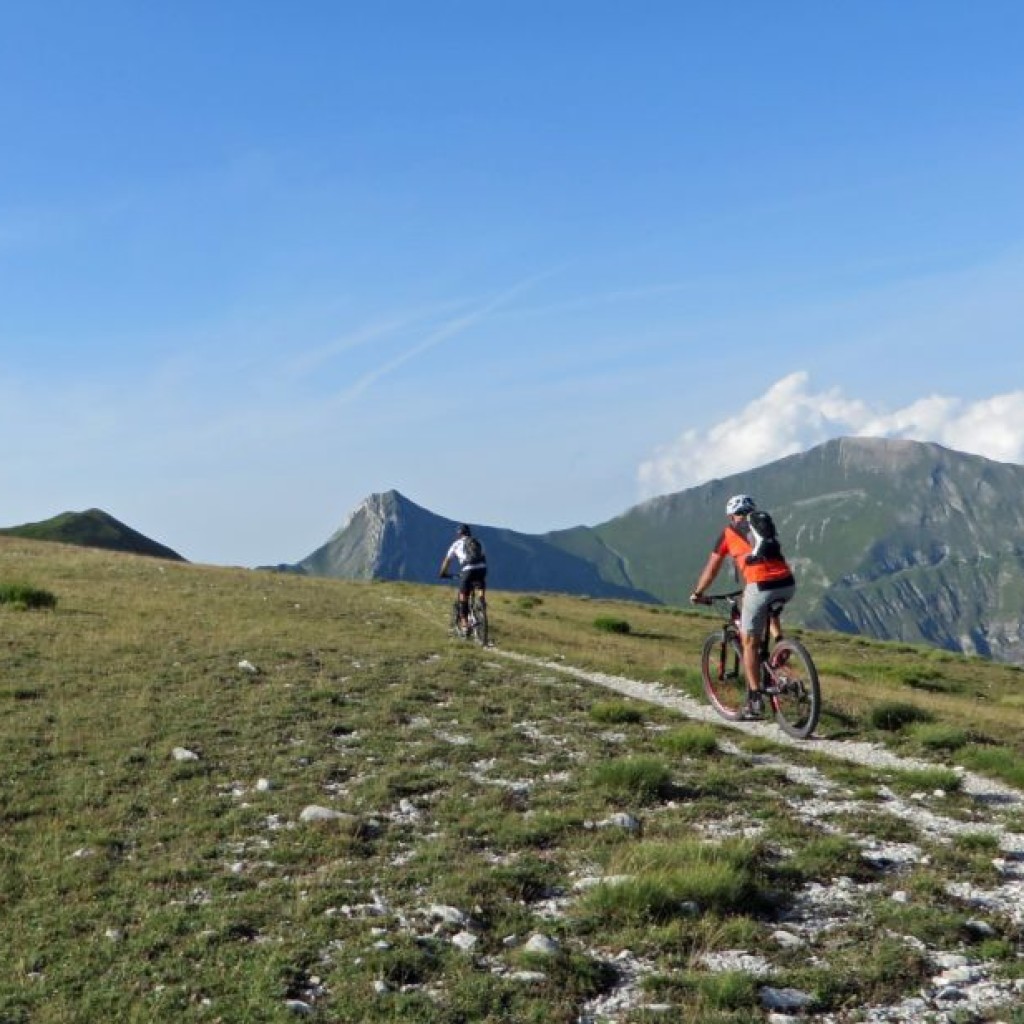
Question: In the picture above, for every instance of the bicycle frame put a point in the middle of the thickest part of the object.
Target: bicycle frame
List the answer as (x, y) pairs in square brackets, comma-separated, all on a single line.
[(788, 677), (477, 626)]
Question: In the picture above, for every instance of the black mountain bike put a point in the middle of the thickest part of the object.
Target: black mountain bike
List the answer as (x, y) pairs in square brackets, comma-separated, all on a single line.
[(476, 626), (789, 680)]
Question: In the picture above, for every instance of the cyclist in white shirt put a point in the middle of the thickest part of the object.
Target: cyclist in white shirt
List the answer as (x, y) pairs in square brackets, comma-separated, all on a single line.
[(469, 553)]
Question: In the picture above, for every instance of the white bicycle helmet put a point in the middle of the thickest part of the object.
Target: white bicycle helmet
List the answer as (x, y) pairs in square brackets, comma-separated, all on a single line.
[(740, 505)]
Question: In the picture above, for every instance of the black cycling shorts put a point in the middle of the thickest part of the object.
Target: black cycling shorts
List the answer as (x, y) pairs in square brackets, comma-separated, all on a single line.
[(470, 578)]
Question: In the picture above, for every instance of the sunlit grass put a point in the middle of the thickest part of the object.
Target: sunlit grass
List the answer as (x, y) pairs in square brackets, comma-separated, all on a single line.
[(140, 887)]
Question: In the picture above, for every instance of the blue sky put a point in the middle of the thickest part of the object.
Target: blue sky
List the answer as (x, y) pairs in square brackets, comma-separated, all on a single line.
[(528, 263)]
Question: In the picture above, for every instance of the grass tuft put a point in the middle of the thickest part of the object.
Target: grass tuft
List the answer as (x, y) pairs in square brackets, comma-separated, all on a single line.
[(641, 779), (939, 736), (690, 741), (616, 713), (657, 882), (927, 779), (23, 596), (892, 716), (609, 624), (998, 761)]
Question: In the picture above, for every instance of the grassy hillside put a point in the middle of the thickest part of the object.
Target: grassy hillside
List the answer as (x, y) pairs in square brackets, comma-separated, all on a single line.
[(93, 528), (511, 844)]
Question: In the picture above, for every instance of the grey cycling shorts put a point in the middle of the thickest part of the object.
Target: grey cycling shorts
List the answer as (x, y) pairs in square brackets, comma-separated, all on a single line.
[(754, 613)]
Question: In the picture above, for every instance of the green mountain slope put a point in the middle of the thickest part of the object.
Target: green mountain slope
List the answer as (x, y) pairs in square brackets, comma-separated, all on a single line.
[(892, 539), (92, 529)]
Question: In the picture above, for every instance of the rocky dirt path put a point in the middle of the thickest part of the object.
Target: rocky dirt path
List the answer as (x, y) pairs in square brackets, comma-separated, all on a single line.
[(869, 754), (961, 988)]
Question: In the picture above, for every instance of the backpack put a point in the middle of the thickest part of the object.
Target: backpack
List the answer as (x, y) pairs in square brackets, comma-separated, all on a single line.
[(764, 538), (473, 551)]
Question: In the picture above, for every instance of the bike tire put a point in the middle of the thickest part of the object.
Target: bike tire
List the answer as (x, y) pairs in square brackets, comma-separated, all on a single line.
[(478, 619), (796, 696), (721, 669), (454, 628)]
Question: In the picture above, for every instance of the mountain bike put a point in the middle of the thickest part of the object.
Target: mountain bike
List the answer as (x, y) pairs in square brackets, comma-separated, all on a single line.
[(476, 625), (789, 680)]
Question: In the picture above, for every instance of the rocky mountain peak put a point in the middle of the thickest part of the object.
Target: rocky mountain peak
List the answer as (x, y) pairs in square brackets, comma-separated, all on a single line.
[(890, 538)]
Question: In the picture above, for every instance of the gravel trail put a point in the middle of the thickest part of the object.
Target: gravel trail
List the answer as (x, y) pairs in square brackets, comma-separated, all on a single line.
[(869, 754), (961, 988)]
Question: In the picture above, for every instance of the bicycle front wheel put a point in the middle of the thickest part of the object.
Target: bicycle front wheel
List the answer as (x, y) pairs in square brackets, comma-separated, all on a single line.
[(721, 668), (454, 628), (794, 688)]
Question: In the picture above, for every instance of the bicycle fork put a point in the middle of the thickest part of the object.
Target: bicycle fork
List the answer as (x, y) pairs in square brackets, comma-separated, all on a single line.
[(726, 651)]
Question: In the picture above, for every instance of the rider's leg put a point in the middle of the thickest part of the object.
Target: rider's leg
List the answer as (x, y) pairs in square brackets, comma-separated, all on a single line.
[(752, 662), (753, 623), (779, 658), (480, 582)]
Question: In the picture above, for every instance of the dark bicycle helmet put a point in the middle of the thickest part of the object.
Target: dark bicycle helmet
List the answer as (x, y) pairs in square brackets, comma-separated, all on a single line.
[(740, 505)]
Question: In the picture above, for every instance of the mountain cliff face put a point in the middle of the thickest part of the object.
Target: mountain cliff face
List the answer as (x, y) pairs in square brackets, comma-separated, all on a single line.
[(890, 539), (389, 537)]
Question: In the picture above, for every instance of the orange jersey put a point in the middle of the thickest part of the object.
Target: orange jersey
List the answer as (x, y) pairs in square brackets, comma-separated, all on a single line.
[(733, 543)]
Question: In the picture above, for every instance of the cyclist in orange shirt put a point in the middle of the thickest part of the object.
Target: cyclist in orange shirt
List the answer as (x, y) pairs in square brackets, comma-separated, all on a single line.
[(766, 579)]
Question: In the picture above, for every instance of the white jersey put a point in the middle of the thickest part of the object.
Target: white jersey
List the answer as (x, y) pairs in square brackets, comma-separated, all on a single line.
[(458, 551)]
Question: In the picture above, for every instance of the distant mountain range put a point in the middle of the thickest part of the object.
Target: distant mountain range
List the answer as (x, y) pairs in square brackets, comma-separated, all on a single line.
[(895, 540), (92, 529), (891, 539)]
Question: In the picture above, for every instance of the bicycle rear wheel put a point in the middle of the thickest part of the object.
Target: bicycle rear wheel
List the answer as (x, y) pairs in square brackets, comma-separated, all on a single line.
[(478, 619), (721, 668), (794, 688)]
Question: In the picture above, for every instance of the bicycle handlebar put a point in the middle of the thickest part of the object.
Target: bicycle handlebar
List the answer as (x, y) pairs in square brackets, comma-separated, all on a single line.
[(712, 598)]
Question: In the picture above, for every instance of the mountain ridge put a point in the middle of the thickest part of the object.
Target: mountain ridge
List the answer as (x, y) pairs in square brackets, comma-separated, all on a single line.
[(893, 539), (389, 536)]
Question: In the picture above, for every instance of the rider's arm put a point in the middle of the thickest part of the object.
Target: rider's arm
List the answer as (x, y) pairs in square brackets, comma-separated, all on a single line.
[(455, 551), (707, 576)]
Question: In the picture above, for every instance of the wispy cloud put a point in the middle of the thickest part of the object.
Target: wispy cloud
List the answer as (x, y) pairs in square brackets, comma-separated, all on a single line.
[(384, 327), (790, 417), (450, 329)]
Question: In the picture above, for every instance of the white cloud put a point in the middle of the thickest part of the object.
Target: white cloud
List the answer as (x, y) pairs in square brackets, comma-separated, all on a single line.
[(791, 418)]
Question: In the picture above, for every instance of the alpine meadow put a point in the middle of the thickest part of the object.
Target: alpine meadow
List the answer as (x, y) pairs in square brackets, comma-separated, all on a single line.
[(235, 796)]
